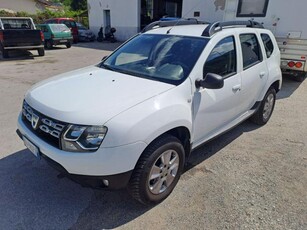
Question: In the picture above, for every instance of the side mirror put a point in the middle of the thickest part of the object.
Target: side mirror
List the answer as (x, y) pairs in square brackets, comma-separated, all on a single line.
[(211, 81)]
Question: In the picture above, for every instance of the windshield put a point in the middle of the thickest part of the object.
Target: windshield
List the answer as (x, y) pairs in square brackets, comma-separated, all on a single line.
[(166, 58), (81, 27)]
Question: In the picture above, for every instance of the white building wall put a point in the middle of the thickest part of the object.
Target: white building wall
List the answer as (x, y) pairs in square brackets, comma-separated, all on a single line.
[(125, 16), (282, 16), (210, 10), (29, 6)]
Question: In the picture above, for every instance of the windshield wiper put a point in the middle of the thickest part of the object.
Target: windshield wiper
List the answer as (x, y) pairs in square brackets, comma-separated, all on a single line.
[(108, 67)]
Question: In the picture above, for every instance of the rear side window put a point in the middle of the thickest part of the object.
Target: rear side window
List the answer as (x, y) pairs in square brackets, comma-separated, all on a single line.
[(44, 29), (69, 24), (222, 59), (251, 51), (268, 44)]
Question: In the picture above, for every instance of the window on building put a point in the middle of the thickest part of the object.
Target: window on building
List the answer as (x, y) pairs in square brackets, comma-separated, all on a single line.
[(222, 59), (252, 8), (268, 44), (251, 51)]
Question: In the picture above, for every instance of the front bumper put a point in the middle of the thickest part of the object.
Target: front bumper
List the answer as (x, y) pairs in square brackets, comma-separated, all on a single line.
[(113, 164)]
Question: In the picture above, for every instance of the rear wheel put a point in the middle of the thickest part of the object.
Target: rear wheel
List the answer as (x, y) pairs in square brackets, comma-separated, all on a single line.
[(300, 77), (68, 45), (41, 52), (5, 53), (157, 171), (266, 108)]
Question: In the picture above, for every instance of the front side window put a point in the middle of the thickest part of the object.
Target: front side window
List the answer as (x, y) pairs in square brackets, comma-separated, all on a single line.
[(251, 51), (268, 44), (222, 59), (166, 58)]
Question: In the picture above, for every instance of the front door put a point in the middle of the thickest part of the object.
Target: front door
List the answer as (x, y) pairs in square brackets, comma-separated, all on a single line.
[(215, 108)]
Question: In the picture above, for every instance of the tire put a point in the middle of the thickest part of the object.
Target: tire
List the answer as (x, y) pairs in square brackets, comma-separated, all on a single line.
[(41, 52), (68, 45), (153, 191), (5, 53), (264, 112), (48, 45), (300, 77)]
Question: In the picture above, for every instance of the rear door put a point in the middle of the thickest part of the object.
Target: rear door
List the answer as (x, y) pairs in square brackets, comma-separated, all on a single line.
[(254, 69)]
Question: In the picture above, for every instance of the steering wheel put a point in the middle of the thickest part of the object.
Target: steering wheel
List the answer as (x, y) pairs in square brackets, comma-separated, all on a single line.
[(183, 65)]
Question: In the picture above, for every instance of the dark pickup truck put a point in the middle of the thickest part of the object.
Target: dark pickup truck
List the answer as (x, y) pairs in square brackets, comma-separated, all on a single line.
[(19, 33)]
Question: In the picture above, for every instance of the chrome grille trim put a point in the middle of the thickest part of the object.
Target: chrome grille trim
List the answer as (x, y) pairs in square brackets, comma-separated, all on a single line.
[(42, 124)]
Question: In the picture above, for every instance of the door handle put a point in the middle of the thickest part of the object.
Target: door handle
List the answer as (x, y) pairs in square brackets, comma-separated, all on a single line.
[(262, 74), (236, 88)]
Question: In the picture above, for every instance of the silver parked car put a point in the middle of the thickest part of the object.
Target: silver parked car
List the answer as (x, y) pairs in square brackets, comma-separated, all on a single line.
[(85, 34)]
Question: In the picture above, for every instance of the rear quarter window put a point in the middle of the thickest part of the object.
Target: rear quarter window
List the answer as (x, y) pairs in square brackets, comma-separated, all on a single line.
[(268, 44)]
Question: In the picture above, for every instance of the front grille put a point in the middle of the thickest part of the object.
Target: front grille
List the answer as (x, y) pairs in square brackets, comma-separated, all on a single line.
[(46, 128)]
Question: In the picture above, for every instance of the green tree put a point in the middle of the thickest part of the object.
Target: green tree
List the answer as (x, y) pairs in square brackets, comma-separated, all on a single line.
[(79, 5)]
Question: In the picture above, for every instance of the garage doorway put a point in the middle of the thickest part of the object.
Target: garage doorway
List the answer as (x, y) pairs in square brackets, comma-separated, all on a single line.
[(153, 10)]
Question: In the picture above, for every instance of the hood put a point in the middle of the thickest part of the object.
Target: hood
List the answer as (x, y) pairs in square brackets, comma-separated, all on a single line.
[(91, 96)]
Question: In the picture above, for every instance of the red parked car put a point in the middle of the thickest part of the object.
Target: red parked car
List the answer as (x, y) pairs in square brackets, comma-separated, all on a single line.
[(69, 22)]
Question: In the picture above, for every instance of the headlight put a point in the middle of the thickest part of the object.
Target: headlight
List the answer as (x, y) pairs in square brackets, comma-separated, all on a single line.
[(83, 138)]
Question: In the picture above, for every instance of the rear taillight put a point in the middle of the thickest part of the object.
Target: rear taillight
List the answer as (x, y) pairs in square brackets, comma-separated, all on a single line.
[(298, 65), (42, 36), (1, 36), (291, 64)]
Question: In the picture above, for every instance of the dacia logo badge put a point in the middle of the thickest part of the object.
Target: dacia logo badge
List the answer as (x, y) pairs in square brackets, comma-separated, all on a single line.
[(34, 120)]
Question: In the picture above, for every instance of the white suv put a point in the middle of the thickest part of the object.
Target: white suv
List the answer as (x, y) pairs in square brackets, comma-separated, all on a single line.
[(132, 120)]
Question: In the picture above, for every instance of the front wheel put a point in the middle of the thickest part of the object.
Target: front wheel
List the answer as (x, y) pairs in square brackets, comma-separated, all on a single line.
[(266, 108), (68, 45), (157, 171), (48, 44)]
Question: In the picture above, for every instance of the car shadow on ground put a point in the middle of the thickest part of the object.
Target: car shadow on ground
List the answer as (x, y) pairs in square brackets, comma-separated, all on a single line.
[(210, 148), (16, 55), (34, 196), (288, 87)]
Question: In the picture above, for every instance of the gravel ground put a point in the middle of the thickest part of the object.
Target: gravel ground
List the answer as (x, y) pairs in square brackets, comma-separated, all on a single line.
[(250, 178)]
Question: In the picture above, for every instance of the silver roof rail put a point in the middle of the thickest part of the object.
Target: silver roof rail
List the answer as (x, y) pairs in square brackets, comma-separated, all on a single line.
[(179, 22), (218, 26)]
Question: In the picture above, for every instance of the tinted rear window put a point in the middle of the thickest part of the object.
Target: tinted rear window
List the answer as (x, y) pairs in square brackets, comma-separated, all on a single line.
[(59, 28), (17, 23)]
